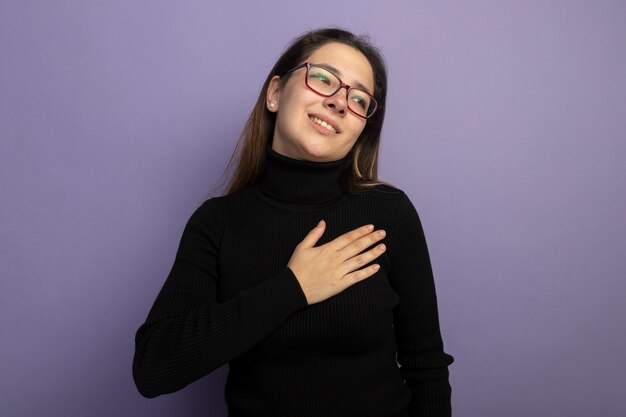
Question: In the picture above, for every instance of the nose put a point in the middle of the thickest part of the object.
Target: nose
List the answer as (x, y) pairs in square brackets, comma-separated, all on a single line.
[(338, 101)]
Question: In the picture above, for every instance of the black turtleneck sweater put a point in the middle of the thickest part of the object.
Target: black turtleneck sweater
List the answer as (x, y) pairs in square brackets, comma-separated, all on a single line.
[(374, 349)]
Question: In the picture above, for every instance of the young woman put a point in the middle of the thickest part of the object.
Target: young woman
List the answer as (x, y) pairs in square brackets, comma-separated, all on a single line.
[(286, 277)]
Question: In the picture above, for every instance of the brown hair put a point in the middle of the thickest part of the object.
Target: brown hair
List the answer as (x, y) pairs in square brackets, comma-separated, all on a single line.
[(362, 170)]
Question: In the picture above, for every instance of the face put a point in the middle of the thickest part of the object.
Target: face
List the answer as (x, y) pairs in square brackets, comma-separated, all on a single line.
[(297, 132)]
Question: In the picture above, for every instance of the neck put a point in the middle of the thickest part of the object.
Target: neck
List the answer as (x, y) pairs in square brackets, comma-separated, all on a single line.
[(295, 181)]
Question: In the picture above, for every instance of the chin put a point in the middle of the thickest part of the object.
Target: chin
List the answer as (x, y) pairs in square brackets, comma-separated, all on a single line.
[(321, 152)]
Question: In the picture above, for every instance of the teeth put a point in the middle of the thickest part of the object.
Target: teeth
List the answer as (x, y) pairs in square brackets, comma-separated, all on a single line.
[(323, 123)]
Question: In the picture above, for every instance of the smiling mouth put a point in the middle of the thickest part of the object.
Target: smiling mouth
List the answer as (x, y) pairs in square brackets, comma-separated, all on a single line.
[(322, 123)]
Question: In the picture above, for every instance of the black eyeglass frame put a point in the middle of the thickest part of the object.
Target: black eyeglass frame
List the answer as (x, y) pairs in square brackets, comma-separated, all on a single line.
[(348, 87)]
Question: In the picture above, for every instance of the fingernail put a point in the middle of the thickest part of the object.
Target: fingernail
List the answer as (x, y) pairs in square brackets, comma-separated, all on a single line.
[(320, 223)]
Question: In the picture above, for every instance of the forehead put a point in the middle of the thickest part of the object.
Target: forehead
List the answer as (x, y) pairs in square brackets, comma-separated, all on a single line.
[(351, 63)]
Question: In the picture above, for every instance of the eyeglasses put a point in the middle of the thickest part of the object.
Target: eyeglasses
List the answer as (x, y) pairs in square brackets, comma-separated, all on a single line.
[(323, 82)]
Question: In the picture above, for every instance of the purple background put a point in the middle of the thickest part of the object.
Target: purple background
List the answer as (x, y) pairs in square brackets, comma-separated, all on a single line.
[(505, 125)]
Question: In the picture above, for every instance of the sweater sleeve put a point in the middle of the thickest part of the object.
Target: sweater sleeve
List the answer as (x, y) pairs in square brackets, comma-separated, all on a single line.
[(423, 363), (187, 333)]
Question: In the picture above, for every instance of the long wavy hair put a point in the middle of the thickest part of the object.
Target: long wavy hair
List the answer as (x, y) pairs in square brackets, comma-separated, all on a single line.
[(361, 171)]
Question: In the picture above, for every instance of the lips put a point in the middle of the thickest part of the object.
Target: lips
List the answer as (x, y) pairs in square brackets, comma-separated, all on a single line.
[(324, 122)]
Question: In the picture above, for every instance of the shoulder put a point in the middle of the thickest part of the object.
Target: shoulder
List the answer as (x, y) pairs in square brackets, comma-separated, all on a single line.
[(209, 207), (217, 205), (207, 217), (398, 205), (215, 212), (386, 192)]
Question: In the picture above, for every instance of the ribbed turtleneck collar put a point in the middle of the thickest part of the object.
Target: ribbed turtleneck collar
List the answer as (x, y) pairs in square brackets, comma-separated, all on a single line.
[(300, 182)]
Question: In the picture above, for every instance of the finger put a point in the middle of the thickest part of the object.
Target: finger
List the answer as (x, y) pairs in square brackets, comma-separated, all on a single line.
[(360, 275), (314, 235), (358, 261), (347, 238), (361, 244)]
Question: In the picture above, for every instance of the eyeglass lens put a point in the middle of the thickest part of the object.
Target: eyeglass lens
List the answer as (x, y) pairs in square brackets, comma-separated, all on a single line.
[(327, 83)]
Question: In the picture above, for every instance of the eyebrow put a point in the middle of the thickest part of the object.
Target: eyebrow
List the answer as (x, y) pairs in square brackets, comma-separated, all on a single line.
[(338, 74)]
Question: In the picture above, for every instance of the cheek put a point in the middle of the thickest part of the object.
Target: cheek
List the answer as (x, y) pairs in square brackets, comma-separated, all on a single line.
[(357, 128), (282, 121)]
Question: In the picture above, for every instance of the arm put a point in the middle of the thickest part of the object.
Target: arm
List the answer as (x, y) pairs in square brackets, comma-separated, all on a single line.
[(187, 334), (424, 364)]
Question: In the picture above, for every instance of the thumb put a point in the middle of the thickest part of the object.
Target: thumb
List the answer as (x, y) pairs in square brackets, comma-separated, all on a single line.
[(314, 235)]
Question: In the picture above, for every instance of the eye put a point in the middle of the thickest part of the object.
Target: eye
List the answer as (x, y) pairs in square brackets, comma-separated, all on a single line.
[(362, 101), (321, 77)]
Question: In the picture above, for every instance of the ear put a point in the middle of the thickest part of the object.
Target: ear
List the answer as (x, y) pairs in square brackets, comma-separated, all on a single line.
[(273, 92)]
